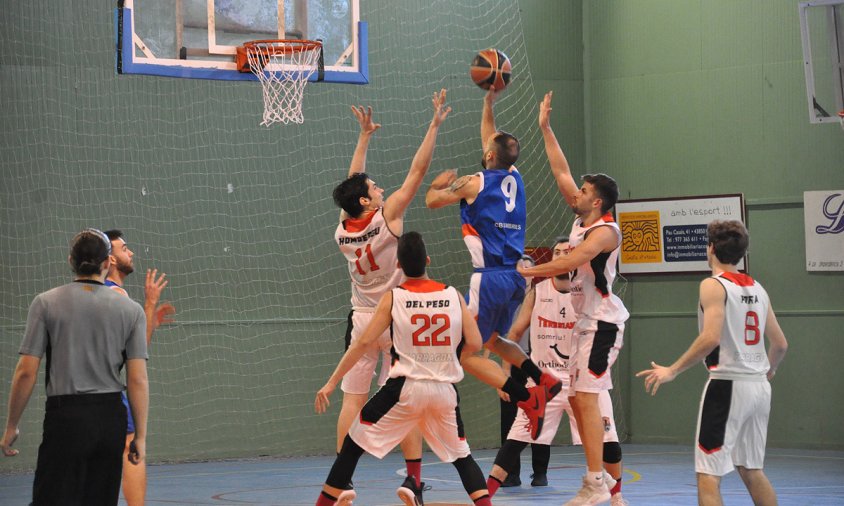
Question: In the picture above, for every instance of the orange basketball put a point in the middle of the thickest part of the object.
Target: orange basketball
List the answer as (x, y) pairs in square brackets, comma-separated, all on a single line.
[(491, 67)]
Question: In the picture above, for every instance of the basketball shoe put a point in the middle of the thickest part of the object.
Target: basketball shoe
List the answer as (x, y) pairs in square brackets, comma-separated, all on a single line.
[(590, 494), (534, 408), (346, 498), (552, 385), (409, 493)]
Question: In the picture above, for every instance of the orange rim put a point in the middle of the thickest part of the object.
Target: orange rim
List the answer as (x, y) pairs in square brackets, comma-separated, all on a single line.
[(281, 46)]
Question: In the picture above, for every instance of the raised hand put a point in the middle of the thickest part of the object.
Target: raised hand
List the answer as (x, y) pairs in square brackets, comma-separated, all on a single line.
[(364, 117), (491, 95), (156, 313), (440, 110), (545, 110)]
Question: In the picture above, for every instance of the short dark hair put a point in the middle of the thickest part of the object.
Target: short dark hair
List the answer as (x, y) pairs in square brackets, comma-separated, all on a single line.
[(348, 193), (88, 250), (559, 240), (412, 254), (729, 240), (606, 187), (113, 234), (507, 149)]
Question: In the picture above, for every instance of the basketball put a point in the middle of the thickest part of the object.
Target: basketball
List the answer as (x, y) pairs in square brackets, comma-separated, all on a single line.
[(491, 67)]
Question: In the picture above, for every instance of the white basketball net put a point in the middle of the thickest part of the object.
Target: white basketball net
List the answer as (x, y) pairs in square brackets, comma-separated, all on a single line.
[(283, 67)]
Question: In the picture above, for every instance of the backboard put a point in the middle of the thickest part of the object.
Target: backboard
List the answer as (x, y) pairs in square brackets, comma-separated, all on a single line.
[(198, 39), (822, 33)]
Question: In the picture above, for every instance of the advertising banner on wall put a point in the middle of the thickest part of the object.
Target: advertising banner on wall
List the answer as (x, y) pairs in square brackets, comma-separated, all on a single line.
[(668, 235), (823, 216)]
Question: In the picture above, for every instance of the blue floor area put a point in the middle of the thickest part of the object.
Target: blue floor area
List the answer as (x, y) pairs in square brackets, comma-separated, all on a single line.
[(654, 475)]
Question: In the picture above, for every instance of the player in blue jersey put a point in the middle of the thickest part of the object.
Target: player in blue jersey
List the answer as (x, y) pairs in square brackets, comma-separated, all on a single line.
[(493, 216), (122, 264)]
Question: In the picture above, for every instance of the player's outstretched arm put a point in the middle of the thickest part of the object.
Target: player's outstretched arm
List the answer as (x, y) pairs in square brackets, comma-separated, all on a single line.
[(601, 239), (557, 159), (396, 204), (712, 298), (23, 382), (367, 128), (777, 344), (488, 116), (381, 320)]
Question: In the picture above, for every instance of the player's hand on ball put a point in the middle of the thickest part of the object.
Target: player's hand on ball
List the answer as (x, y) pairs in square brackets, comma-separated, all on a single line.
[(656, 376), (321, 402)]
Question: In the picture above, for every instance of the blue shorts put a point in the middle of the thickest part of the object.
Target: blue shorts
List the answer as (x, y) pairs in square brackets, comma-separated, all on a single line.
[(494, 296), (130, 427)]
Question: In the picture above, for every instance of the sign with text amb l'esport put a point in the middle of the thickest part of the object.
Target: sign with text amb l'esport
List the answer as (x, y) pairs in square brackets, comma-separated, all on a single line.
[(823, 216), (669, 235)]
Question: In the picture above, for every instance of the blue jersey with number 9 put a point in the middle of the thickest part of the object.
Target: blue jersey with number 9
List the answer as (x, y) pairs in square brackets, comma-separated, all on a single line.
[(494, 224)]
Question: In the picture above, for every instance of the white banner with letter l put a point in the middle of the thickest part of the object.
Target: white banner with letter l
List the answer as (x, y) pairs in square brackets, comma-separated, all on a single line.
[(823, 216)]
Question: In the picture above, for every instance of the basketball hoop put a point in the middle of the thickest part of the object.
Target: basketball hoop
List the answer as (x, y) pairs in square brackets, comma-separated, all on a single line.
[(283, 67)]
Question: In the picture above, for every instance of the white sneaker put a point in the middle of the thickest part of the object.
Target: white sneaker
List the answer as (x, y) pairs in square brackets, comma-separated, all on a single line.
[(617, 500), (590, 494), (346, 498)]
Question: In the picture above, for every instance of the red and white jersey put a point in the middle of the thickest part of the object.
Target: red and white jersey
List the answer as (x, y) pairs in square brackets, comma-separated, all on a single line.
[(427, 328), (741, 353), (370, 250), (551, 323), (591, 283)]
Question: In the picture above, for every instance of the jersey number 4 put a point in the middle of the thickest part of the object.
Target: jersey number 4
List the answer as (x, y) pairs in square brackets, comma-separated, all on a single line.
[(369, 258), (437, 324), (752, 333)]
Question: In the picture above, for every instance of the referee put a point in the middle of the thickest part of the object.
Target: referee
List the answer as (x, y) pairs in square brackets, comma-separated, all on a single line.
[(87, 333)]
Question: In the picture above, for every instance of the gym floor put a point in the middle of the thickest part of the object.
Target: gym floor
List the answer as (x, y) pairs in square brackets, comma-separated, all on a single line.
[(653, 475)]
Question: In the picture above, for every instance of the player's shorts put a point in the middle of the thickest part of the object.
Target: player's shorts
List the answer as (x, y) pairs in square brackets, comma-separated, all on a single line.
[(554, 416), (359, 378), (130, 427), (493, 298), (732, 425), (598, 345), (404, 404)]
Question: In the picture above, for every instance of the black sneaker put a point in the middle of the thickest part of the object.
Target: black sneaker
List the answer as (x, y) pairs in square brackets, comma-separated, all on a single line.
[(539, 480), (512, 480), (410, 494)]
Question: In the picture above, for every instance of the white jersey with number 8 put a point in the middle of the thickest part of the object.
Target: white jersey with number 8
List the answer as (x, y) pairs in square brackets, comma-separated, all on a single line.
[(741, 353)]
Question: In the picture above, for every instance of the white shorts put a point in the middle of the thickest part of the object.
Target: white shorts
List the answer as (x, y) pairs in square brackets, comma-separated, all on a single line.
[(359, 378), (732, 426), (598, 345), (554, 416), (402, 405)]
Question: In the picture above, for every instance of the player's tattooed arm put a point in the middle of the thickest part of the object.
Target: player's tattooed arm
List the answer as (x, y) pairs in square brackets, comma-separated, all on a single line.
[(447, 189)]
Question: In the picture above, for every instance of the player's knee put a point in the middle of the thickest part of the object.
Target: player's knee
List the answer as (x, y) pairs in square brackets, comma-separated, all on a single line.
[(470, 474), (509, 454), (344, 467), (612, 452)]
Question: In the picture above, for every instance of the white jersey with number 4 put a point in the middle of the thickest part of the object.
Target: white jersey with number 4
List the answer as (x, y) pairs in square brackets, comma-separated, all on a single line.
[(591, 283), (551, 324), (370, 250), (741, 352), (426, 331)]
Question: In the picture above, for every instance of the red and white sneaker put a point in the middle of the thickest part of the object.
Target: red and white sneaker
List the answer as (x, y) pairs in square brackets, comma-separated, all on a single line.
[(534, 408), (552, 385)]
